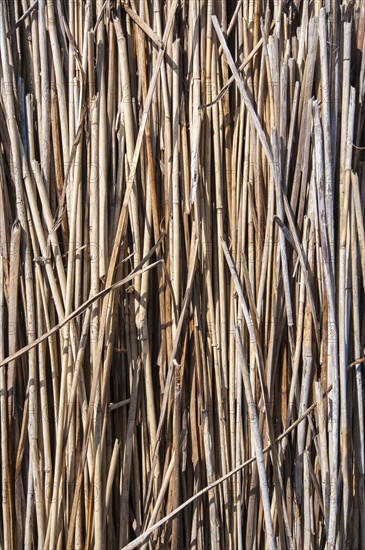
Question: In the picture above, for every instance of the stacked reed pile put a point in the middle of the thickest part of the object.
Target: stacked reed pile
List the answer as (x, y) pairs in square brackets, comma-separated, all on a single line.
[(182, 272)]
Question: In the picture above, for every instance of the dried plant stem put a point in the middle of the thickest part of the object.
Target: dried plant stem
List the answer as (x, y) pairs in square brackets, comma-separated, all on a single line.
[(182, 273)]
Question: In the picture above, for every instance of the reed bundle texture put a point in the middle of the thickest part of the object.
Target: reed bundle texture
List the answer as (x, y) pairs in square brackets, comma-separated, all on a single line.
[(182, 241)]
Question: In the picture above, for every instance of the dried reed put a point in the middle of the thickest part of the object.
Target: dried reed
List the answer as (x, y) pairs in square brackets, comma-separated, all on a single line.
[(182, 274)]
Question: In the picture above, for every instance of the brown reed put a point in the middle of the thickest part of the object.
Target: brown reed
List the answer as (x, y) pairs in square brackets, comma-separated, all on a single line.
[(182, 274)]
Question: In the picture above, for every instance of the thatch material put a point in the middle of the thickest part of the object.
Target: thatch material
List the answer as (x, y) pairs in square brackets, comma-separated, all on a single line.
[(182, 274)]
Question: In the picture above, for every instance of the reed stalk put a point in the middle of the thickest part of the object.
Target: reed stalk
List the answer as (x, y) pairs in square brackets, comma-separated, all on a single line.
[(182, 274)]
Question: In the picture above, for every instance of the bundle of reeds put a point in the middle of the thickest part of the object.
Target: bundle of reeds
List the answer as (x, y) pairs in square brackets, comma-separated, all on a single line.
[(182, 274)]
